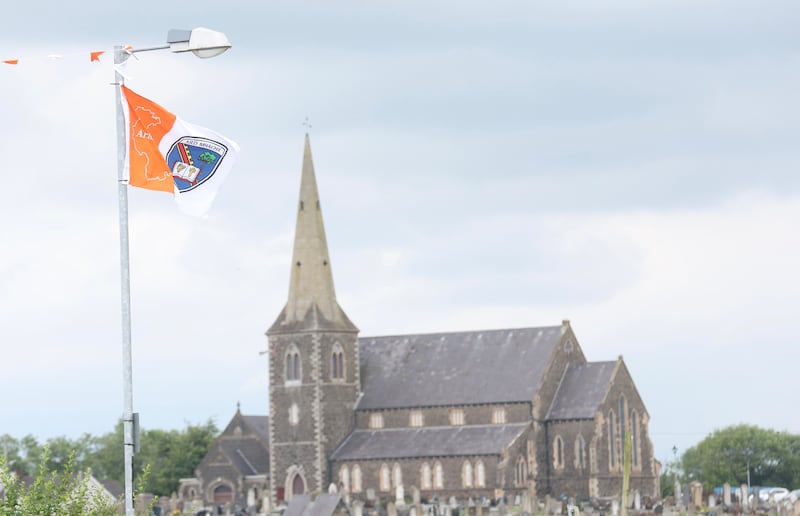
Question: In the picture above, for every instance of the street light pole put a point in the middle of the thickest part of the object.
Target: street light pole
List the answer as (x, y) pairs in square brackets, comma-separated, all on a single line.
[(203, 43), (120, 56)]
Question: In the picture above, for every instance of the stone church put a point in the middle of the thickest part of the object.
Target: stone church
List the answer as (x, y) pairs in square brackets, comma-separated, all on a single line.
[(369, 414)]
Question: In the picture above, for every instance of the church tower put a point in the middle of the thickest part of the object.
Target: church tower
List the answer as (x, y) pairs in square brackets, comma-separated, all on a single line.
[(313, 367)]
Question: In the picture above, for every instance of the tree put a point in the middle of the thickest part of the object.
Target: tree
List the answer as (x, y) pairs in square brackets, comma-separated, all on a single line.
[(66, 492), (772, 458)]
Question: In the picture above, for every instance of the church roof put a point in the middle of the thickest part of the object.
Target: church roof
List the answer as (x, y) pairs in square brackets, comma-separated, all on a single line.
[(260, 424), (581, 391), (403, 443), (454, 368)]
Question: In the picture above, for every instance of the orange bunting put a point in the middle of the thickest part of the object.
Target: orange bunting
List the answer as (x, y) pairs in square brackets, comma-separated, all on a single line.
[(95, 56), (11, 61)]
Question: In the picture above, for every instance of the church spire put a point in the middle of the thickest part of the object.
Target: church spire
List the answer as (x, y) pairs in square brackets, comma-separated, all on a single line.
[(312, 298)]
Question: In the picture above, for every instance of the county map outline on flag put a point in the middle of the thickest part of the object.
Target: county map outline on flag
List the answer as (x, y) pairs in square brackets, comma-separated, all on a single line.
[(142, 129)]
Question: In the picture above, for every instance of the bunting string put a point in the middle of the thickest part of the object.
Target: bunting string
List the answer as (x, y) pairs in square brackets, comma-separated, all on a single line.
[(95, 56)]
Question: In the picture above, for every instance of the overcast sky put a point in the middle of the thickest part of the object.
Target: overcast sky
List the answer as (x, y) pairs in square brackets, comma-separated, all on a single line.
[(631, 166)]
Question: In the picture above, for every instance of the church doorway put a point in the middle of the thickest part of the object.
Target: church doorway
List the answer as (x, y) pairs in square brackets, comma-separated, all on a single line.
[(298, 485), (223, 494)]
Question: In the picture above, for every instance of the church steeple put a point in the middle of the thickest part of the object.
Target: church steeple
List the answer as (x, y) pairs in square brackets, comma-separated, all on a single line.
[(312, 301)]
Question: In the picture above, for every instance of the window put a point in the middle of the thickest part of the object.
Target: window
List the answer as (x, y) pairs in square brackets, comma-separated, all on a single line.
[(337, 363), (612, 457), (456, 417), (293, 365), (397, 475), (438, 475), (344, 479), (415, 418), (356, 479), (580, 453), (466, 474), (520, 472), (386, 480), (294, 415), (634, 439), (499, 416), (558, 452), (376, 420), (480, 474), (425, 476)]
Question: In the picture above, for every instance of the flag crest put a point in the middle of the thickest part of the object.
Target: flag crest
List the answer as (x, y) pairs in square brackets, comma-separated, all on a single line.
[(168, 154)]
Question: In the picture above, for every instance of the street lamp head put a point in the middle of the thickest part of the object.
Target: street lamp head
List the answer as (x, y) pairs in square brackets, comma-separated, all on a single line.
[(201, 42)]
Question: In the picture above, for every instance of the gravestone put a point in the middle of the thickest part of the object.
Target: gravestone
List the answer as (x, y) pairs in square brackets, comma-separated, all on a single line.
[(399, 494), (637, 500), (615, 507), (391, 509), (371, 495), (677, 492), (745, 495), (712, 501), (697, 494), (332, 488), (358, 508), (726, 494), (415, 495), (517, 501)]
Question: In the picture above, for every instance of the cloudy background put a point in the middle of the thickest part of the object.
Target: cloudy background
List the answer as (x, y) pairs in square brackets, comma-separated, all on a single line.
[(630, 166)]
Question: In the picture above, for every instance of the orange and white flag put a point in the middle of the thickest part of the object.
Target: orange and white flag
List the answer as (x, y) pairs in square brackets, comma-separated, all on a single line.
[(167, 154)]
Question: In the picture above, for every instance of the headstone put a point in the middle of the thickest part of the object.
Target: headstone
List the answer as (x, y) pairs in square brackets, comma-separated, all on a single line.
[(415, 494), (371, 494), (453, 502), (697, 494), (358, 508), (677, 493), (745, 495), (517, 501), (391, 509), (399, 494), (726, 494), (526, 502), (332, 488), (712, 501), (501, 507), (479, 510), (637, 500), (615, 507)]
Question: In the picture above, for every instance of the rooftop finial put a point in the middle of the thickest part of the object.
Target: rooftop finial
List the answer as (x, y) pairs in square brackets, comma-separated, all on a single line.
[(307, 124)]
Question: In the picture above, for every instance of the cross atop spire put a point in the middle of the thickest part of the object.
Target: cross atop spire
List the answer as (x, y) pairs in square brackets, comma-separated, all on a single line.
[(312, 299)]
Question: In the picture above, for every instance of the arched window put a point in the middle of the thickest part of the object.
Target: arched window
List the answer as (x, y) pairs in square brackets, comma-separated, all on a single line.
[(520, 472), (344, 479), (580, 452), (397, 475), (612, 449), (480, 474), (558, 452), (634, 439), (356, 479), (293, 365), (438, 476), (337, 362), (466, 474), (386, 478), (425, 476), (622, 428)]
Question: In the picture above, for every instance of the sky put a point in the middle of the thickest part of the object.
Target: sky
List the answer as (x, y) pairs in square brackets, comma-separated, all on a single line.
[(630, 166)]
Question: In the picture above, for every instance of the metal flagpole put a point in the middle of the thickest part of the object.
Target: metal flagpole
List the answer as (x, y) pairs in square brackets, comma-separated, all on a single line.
[(120, 56)]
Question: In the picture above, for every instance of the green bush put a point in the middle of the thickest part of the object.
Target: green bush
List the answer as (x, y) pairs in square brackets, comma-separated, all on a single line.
[(65, 493)]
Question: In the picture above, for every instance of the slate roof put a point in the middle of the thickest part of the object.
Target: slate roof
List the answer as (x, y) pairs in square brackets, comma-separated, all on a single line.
[(323, 505), (454, 368), (260, 424), (248, 456), (402, 443), (581, 391)]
